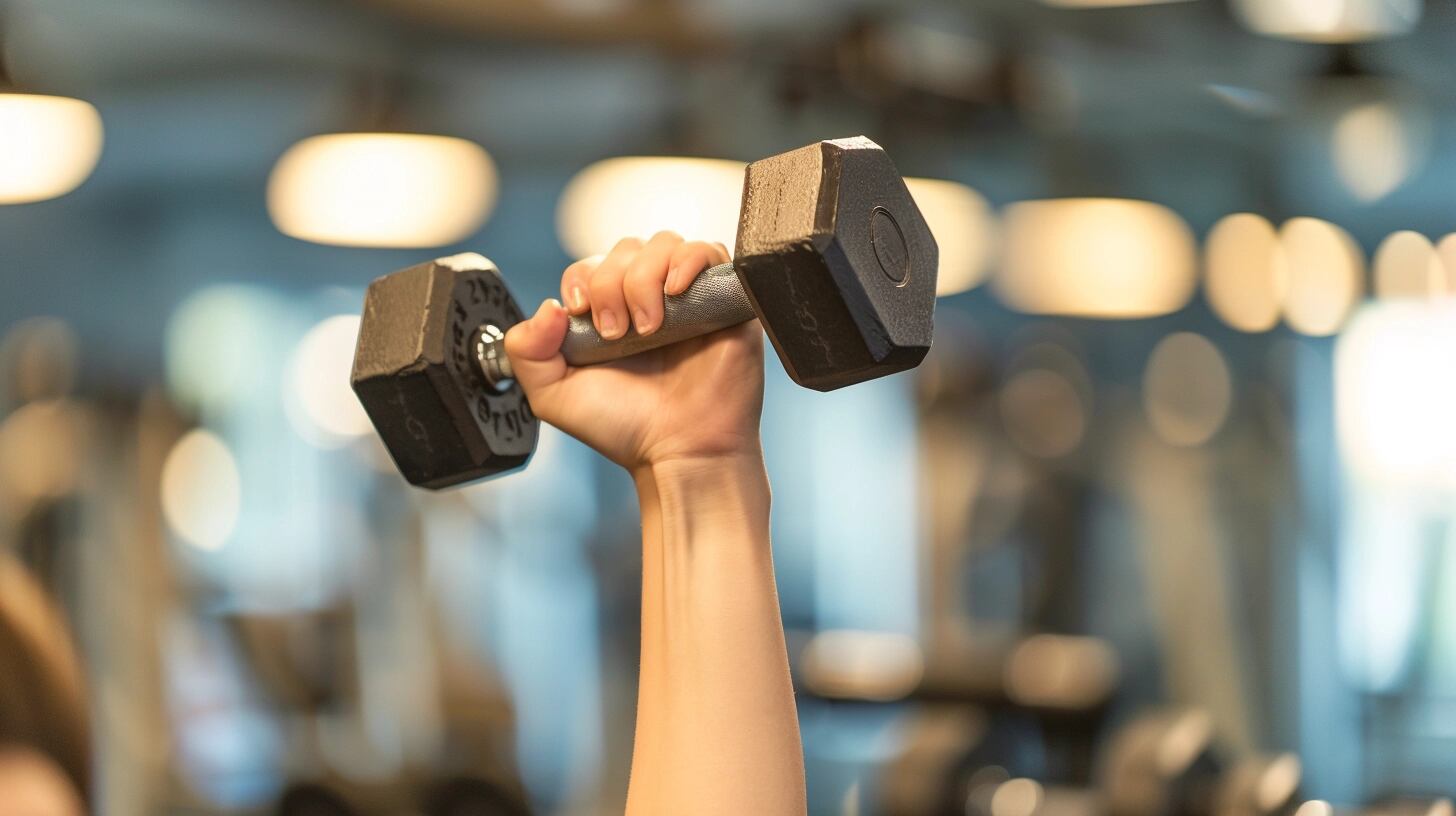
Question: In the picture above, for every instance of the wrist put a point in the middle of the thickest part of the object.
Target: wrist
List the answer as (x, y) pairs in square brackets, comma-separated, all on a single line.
[(743, 461), (687, 493)]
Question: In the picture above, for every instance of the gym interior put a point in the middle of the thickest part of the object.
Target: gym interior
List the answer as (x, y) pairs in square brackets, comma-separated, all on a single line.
[(1140, 498)]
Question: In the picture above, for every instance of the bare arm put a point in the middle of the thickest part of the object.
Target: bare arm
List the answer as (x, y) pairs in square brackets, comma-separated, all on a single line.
[(716, 726), (717, 730)]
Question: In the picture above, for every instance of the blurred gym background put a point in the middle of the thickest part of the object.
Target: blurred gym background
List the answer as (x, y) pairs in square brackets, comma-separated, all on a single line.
[(1171, 501)]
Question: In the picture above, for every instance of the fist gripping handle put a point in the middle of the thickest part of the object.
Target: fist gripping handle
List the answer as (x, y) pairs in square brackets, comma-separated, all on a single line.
[(714, 301)]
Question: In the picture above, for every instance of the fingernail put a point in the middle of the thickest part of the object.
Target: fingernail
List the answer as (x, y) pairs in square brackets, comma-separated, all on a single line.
[(578, 299), (552, 302), (672, 278), (642, 322), (607, 323)]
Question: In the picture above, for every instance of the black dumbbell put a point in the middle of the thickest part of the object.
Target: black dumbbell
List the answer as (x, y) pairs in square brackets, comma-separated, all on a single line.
[(833, 257)]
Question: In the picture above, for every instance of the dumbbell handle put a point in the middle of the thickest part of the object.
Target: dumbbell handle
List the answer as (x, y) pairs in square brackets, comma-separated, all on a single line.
[(714, 301)]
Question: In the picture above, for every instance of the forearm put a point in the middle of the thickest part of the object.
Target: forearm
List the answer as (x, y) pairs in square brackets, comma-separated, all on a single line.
[(717, 730)]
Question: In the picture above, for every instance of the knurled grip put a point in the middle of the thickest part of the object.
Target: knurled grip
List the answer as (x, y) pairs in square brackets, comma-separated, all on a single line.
[(714, 301)]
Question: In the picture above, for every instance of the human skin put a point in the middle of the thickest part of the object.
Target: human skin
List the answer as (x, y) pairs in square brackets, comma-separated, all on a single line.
[(717, 731)]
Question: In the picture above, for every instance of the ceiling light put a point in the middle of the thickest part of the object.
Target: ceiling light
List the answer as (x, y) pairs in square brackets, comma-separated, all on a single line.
[(1095, 257), (1377, 144), (638, 196), (1329, 21), (1245, 274), (1407, 266), (1326, 273), (48, 146), (382, 189), (964, 230), (1106, 3)]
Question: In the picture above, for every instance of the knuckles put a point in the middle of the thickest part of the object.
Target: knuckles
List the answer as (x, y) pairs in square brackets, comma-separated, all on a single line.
[(628, 244), (622, 272), (604, 288)]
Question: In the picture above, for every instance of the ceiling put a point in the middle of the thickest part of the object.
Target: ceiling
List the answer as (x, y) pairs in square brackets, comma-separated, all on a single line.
[(1175, 103)]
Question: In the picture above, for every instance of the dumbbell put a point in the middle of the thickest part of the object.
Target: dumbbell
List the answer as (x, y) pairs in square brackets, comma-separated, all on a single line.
[(1039, 672), (1052, 690), (833, 257), (1163, 763)]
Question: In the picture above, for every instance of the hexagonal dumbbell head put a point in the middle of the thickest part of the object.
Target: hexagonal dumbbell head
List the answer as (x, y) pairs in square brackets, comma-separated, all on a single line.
[(838, 262), (417, 375)]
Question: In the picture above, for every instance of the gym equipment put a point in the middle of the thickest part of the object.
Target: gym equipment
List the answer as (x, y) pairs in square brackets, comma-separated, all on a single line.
[(832, 257), (1395, 806), (1053, 689), (1161, 764), (947, 750), (312, 799), (473, 796), (1042, 672), (1164, 764)]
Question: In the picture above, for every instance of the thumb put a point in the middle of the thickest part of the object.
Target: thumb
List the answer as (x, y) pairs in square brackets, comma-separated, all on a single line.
[(534, 347)]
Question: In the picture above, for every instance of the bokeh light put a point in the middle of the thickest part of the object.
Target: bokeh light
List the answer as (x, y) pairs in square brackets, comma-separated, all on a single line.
[(964, 230), (212, 361), (1377, 145), (321, 404), (1394, 396), (48, 146), (699, 199), (642, 195), (862, 664), (1096, 257), (1017, 797), (1279, 782), (1061, 671), (41, 448), (1326, 274), (40, 356), (1407, 266), (1245, 272), (1329, 20), (1186, 389), (1107, 3), (1446, 252), (201, 490), (1043, 413), (382, 189)]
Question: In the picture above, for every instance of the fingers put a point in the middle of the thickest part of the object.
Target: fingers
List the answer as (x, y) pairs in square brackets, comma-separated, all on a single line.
[(643, 284), (624, 288), (689, 259), (604, 290), (534, 347), (574, 284)]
